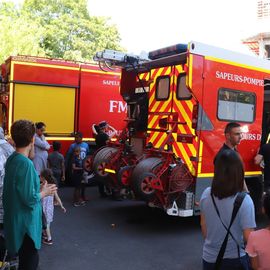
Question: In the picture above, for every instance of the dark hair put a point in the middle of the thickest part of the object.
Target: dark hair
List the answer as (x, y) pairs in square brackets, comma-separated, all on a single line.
[(56, 146), (97, 128), (102, 124), (40, 125), (78, 134), (47, 174), (230, 126), (22, 132), (266, 203), (228, 174)]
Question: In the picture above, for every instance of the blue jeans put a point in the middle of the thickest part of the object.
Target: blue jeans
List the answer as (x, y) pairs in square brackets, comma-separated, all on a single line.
[(232, 264)]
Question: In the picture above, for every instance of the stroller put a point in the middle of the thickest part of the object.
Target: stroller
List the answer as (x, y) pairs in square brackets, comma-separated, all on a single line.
[(7, 261)]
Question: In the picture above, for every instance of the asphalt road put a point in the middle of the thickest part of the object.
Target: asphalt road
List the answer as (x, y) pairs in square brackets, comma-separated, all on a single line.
[(120, 235)]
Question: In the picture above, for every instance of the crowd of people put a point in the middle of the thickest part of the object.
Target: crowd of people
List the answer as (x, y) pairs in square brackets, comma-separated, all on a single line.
[(30, 177)]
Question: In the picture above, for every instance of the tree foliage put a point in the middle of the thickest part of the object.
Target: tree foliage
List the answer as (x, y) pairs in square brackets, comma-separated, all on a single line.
[(18, 34), (55, 28)]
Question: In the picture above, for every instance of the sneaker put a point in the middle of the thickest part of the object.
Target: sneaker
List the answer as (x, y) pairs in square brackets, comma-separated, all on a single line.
[(82, 202), (76, 204), (47, 242)]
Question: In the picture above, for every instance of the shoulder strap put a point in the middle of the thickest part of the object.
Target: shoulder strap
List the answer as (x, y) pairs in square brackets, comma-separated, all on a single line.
[(237, 204)]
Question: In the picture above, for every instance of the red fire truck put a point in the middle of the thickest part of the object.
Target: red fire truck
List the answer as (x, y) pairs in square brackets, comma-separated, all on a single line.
[(179, 102), (67, 96)]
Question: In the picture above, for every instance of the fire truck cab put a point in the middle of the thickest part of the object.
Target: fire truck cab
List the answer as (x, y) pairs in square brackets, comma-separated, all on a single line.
[(178, 104)]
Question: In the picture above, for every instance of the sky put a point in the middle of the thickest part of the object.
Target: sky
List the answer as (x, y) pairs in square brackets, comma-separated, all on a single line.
[(146, 25)]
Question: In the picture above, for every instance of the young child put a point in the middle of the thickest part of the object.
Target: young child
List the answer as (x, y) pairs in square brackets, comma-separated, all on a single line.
[(77, 176), (258, 242), (48, 204), (56, 163)]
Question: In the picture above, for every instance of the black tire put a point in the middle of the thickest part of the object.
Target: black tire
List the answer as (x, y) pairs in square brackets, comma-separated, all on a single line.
[(124, 175), (149, 165), (100, 154), (146, 165), (101, 160)]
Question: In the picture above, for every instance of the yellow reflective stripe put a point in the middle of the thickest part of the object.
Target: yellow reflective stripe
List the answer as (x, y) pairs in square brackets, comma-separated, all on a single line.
[(253, 173), (203, 175), (190, 70), (200, 157), (11, 89), (109, 170), (190, 105), (210, 58), (67, 139), (246, 174), (151, 123), (153, 137), (186, 158)]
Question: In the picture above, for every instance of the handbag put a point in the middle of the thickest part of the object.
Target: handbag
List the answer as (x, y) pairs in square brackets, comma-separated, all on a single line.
[(237, 203)]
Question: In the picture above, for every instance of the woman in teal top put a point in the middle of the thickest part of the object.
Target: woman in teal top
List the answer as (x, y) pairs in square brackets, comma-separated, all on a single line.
[(22, 205), (21, 198)]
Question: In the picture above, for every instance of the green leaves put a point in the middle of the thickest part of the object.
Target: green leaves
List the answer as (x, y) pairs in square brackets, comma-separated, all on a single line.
[(54, 28)]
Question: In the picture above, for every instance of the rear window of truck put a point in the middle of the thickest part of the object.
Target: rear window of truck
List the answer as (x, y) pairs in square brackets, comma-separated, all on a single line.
[(163, 88)]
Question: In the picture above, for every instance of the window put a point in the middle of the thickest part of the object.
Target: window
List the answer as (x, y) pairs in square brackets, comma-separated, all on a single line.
[(163, 88), (236, 105), (182, 90)]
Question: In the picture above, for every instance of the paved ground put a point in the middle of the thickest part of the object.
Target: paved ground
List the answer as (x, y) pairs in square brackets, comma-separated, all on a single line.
[(141, 238)]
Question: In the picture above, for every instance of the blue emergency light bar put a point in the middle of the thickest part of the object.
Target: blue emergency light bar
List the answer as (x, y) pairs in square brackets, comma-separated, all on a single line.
[(168, 51)]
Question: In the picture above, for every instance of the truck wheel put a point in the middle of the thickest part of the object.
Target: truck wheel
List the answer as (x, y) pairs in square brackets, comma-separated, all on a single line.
[(123, 175), (102, 160), (143, 186), (141, 177)]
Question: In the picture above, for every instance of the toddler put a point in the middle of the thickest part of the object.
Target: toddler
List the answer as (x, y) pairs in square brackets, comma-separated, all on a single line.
[(77, 177), (48, 204)]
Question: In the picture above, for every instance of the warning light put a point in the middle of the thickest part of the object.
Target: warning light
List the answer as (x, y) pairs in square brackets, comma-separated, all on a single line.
[(168, 51)]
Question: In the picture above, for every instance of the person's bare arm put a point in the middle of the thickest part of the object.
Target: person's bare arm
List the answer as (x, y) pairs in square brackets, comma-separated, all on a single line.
[(203, 226), (63, 170), (246, 233), (47, 189), (113, 131), (245, 188), (32, 152), (254, 262), (94, 129), (57, 198), (258, 159)]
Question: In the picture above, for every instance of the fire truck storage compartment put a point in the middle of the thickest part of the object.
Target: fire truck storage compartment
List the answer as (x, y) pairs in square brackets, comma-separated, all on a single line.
[(37, 102)]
